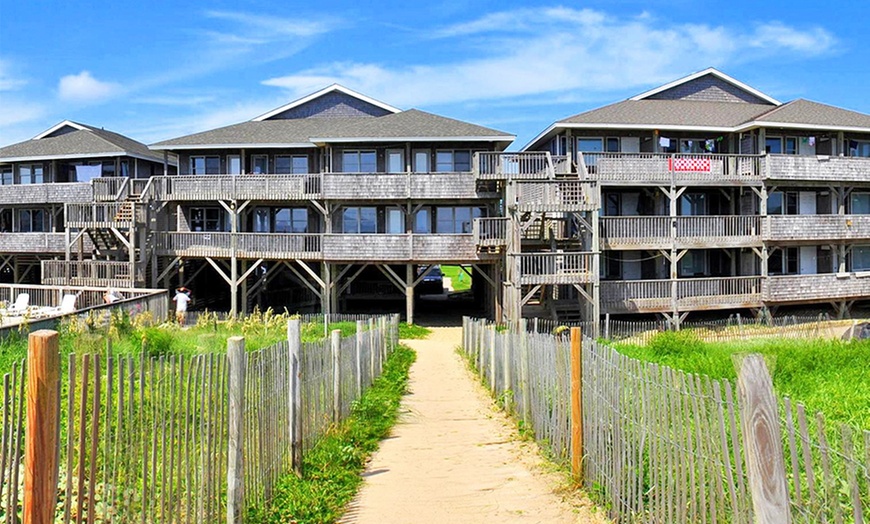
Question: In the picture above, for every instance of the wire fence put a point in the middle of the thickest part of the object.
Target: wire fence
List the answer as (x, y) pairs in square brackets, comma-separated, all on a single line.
[(661, 445), (143, 439)]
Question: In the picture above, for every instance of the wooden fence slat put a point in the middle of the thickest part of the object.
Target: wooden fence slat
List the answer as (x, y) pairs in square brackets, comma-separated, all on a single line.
[(829, 483), (724, 449), (82, 454), (95, 438), (235, 466), (851, 474)]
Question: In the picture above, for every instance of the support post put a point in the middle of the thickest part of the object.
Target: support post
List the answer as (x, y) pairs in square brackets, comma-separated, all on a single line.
[(359, 344), (41, 440), (763, 443), (374, 354), (294, 343), (336, 375), (409, 293), (492, 368), (237, 360), (524, 371), (576, 405)]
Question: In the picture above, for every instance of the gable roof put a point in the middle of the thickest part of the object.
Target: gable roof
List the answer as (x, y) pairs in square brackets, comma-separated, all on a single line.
[(673, 114), (713, 72), (803, 113), (334, 88), (70, 140)]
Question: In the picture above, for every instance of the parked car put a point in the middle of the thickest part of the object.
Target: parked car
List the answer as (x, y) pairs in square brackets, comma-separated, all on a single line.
[(432, 283)]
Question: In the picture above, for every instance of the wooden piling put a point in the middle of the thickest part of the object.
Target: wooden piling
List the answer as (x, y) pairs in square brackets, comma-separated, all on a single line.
[(576, 404)]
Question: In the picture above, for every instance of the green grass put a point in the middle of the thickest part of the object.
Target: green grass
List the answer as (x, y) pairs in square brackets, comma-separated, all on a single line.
[(831, 376), (453, 272), (331, 470), (413, 331)]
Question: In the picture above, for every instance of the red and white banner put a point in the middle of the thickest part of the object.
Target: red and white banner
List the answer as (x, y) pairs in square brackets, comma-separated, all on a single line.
[(695, 165)]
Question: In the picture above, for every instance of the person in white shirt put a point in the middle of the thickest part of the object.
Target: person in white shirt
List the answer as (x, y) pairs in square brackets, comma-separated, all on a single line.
[(181, 298)]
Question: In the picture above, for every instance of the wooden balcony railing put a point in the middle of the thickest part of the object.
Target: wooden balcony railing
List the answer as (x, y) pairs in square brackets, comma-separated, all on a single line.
[(670, 169), (90, 273), (111, 189), (490, 232), (50, 193), (500, 166), (32, 243), (247, 245), (557, 195), (785, 228), (690, 294), (555, 268), (636, 232), (378, 186), (815, 168), (640, 296), (400, 248), (817, 288), (102, 215), (654, 232), (237, 187)]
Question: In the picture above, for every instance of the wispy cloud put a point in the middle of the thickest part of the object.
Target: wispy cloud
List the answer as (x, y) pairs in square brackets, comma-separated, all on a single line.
[(268, 28), (83, 87), (8, 80), (529, 52)]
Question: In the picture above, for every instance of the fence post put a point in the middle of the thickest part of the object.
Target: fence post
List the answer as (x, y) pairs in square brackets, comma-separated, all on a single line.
[(492, 359), (294, 341), (373, 355), (524, 371), (237, 360), (576, 404), (42, 435), (506, 369), (763, 443), (336, 375), (359, 343)]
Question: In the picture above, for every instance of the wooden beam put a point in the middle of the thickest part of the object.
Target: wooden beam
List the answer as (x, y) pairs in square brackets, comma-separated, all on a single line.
[(168, 268), (309, 285), (392, 276), (249, 271), (353, 277), (219, 271), (530, 294), (311, 272), (485, 276)]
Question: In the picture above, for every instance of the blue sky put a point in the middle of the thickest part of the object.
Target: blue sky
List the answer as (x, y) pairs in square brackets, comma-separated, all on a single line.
[(164, 68)]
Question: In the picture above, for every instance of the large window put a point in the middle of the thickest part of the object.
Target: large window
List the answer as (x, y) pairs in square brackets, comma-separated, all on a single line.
[(859, 148), (452, 161), (421, 161), (30, 174), (783, 203), (693, 263), (395, 221), (296, 164), (206, 219), (259, 164), (395, 161), (359, 220), (860, 204), (783, 261), (861, 258), (423, 221), (453, 220), (291, 220), (205, 165), (6, 176), (359, 161), (778, 145), (32, 221)]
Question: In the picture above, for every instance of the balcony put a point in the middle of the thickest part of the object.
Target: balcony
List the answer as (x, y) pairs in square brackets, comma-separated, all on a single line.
[(692, 232), (120, 215), (815, 228), (670, 169), (247, 245), (33, 243), (236, 187), (557, 196), (819, 168), (99, 273), (555, 268), (379, 186), (534, 165), (400, 248), (46, 193), (695, 294), (816, 288), (491, 232)]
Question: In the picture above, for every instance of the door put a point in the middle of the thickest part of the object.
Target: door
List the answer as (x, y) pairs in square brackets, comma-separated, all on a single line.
[(234, 165)]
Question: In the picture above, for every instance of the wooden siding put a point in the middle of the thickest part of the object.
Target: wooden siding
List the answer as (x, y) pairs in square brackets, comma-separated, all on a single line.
[(821, 168), (248, 245), (654, 232), (670, 169), (783, 228), (816, 288), (237, 187), (50, 193), (656, 296), (399, 248), (32, 243), (380, 186), (557, 195)]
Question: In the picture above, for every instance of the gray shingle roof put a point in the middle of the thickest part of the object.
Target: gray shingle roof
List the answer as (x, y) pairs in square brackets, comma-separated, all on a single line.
[(89, 141), (406, 124), (670, 112), (807, 112)]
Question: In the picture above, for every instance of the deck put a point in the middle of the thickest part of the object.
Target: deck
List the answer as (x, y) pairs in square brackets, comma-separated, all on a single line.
[(793, 228), (682, 232)]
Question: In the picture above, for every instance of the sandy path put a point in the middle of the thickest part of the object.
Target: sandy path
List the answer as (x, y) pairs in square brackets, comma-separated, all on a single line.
[(453, 458)]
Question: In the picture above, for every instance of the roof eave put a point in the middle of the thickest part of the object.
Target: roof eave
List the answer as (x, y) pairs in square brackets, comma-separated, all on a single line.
[(345, 140), (791, 125), (59, 126), (172, 147)]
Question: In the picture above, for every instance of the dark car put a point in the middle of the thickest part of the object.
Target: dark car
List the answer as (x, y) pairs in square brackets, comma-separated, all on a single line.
[(432, 283)]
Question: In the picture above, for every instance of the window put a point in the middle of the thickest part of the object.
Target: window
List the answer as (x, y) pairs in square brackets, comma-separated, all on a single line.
[(205, 165), (693, 204), (287, 165), (359, 162), (693, 263), (206, 219), (559, 145), (259, 164), (612, 204), (234, 165), (6, 176), (590, 145), (395, 221), (611, 145), (783, 261), (359, 220), (860, 204), (421, 161), (782, 203), (395, 161), (30, 174), (452, 161), (32, 221), (698, 145), (423, 221), (262, 220), (861, 258), (291, 220), (859, 148), (455, 220), (777, 145)]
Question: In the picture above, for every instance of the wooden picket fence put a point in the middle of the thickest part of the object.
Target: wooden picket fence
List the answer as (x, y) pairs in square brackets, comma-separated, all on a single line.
[(174, 439), (659, 445)]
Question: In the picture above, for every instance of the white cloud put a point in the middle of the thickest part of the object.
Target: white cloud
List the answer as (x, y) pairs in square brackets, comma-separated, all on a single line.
[(267, 27), (83, 87), (529, 52), (9, 82)]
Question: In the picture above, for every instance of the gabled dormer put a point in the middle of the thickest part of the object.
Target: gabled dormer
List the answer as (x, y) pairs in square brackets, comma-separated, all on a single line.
[(709, 85), (330, 102)]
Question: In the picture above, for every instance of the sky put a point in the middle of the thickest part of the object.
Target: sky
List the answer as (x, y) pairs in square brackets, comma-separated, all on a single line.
[(159, 69)]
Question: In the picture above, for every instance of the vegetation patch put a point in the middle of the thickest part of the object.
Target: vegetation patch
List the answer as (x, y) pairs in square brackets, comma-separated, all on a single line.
[(831, 376), (331, 470), (413, 331)]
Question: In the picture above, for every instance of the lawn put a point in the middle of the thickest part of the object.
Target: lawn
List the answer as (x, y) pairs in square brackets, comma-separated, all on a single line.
[(458, 278), (831, 376)]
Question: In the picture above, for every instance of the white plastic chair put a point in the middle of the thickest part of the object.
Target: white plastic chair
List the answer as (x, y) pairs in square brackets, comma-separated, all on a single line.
[(22, 302), (67, 304)]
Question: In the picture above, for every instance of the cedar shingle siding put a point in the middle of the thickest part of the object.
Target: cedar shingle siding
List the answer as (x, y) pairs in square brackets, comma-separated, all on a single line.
[(332, 105), (708, 88)]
